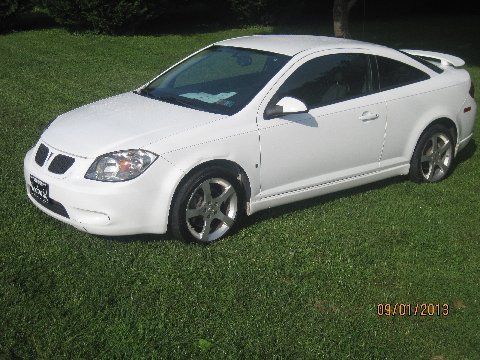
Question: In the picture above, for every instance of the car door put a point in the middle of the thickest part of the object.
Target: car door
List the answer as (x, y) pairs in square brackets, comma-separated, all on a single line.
[(341, 135)]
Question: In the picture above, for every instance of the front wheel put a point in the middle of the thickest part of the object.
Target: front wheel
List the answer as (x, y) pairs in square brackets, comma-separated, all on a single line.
[(207, 206), (433, 155)]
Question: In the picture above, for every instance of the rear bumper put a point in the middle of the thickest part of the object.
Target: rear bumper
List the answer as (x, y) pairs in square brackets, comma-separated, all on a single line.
[(466, 123), (132, 207)]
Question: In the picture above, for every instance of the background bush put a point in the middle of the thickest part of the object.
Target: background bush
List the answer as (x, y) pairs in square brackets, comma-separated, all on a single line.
[(107, 16), (278, 11), (10, 8), (250, 10), (129, 16)]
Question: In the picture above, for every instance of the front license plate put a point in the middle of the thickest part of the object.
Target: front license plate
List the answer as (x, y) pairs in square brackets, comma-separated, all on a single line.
[(39, 189)]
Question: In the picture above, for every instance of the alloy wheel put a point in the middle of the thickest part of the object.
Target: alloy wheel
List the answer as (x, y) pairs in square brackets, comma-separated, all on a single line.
[(211, 209), (436, 157)]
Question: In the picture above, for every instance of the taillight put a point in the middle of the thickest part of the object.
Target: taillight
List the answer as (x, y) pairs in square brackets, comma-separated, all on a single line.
[(472, 90)]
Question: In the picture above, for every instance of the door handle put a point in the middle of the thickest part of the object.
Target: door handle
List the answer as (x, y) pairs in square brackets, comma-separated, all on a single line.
[(367, 116)]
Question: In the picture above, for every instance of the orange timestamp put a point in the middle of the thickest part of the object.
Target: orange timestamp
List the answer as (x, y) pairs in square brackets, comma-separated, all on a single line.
[(407, 309)]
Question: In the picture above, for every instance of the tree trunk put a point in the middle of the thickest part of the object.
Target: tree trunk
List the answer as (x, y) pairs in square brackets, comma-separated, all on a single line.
[(341, 9)]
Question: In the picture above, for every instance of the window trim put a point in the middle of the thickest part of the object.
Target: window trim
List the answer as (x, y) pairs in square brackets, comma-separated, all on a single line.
[(370, 71), (423, 61), (375, 72)]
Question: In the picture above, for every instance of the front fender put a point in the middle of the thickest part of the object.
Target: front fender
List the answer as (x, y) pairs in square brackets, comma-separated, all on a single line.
[(242, 149)]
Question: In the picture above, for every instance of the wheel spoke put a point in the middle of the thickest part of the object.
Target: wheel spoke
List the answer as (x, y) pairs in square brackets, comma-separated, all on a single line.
[(225, 195), (434, 143), (431, 171), (443, 167), (207, 194), (224, 218), (444, 147), (206, 228), (195, 212)]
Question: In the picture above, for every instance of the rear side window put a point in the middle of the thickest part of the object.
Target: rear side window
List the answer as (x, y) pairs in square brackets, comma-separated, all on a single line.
[(329, 79), (393, 74)]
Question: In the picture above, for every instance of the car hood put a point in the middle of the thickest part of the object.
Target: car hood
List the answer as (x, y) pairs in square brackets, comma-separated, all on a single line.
[(121, 122)]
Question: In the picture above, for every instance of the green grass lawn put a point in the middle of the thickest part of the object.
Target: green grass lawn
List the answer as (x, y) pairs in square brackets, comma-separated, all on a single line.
[(300, 281)]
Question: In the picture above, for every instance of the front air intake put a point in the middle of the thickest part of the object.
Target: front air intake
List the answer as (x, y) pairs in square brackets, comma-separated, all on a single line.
[(60, 164), (41, 155)]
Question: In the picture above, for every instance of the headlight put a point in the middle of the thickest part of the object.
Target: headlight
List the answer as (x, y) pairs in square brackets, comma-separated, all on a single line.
[(120, 165)]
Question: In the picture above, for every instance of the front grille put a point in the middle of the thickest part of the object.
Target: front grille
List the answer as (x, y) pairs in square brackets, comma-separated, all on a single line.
[(52, 205), (60, 164), (41, 155)]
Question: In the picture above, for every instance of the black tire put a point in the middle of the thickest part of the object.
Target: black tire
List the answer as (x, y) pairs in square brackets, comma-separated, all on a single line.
[(418, 167), (188, 188)]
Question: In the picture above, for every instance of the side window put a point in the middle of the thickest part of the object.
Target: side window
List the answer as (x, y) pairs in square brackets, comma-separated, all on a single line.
[(328, 80), (393, 73)]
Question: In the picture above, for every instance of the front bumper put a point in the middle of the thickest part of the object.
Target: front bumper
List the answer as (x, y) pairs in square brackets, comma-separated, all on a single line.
[(137, 206)]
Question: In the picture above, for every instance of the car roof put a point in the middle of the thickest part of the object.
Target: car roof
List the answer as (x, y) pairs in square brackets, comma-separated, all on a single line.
[(293, 44)]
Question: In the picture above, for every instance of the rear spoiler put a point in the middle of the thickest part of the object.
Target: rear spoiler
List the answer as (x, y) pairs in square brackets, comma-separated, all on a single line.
[(445, 59)]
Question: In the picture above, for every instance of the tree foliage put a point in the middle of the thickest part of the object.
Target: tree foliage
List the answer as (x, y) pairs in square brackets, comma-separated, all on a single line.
[(110, 16), (250, 10), (106, 16), (10, 8), (126, 16)]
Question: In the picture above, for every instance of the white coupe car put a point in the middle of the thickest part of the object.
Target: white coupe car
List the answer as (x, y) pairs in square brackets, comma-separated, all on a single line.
[(247, 124)]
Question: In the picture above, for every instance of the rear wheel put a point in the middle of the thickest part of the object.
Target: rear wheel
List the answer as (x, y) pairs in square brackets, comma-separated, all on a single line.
[(207, 206), (433, 155)]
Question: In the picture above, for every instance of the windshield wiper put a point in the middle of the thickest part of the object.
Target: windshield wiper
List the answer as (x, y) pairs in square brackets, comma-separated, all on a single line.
[(174, 100), (169, 99), (142, 92)]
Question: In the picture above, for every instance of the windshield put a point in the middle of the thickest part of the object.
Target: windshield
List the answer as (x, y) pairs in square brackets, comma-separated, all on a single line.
[(219, 79)]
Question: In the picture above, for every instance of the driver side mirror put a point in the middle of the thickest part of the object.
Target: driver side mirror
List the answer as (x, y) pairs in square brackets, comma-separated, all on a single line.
[(286, 106)]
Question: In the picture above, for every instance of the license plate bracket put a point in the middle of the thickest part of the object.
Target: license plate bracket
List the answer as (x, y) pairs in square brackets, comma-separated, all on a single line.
[(39, 190)]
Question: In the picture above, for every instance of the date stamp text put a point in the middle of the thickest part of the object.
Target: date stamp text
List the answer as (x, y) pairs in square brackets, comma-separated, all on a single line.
[(408, 309)]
